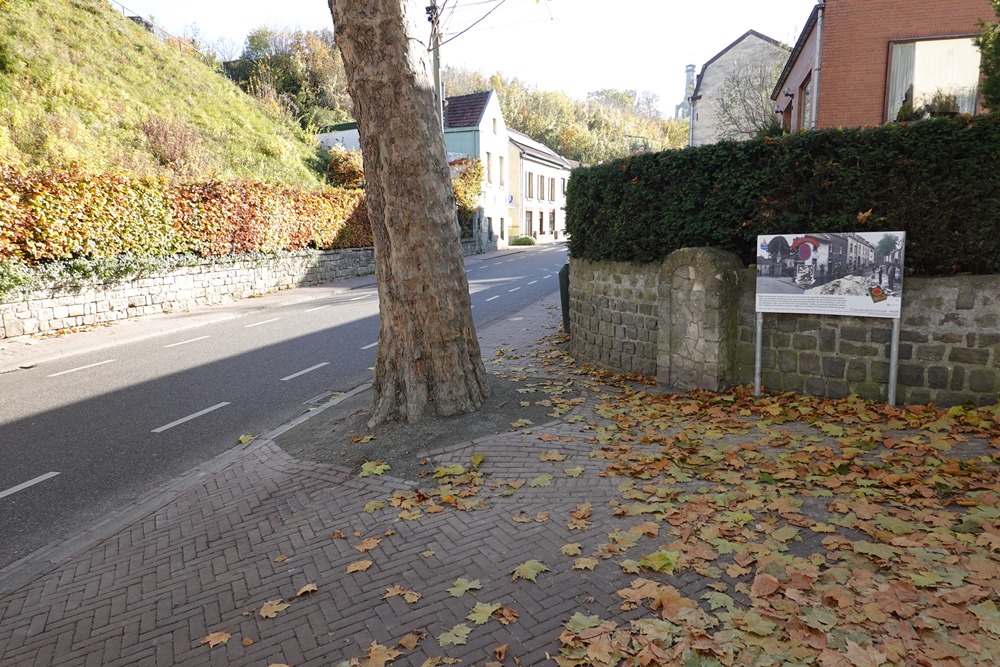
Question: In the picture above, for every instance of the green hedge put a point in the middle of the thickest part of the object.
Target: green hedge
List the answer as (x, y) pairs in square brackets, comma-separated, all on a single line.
[(73, 215), (937, 180)]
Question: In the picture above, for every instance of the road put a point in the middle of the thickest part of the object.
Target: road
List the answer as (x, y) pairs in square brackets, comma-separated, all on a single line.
[(88, 433)]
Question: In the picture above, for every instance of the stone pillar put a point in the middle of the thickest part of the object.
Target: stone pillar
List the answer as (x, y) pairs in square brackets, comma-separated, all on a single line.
[(698, 303)]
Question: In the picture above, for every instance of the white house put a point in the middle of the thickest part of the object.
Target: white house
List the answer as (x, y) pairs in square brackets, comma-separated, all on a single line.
[(344, 134), (474, 126), (538, 182)]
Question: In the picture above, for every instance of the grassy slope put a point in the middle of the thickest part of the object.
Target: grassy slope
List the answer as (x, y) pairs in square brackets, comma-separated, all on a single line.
[(79, 83)]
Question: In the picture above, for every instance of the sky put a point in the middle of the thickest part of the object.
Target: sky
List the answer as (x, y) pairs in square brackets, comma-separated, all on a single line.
[(575, 46)]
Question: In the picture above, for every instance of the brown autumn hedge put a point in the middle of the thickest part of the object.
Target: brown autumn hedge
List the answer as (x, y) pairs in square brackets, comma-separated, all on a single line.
[(73, 214)]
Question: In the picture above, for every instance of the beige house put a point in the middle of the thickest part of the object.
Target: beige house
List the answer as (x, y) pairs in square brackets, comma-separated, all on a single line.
[(746, 57), (538, 180)]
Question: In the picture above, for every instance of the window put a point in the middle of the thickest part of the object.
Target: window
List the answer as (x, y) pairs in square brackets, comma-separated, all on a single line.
[(552, 189), (494, 126), (541, 187), (489, 167), (804, 115), (564, 186), (527, 222), (941, 72), (500, 158), (501, 229), (541, 221), (531, 185), (489, 228), (552, 222)]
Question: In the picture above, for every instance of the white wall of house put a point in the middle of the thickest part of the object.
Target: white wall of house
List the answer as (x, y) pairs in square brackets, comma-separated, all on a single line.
[(349, 139), (542, 213)]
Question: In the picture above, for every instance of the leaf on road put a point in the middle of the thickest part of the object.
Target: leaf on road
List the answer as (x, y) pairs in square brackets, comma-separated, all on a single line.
[(373, 468), (280, 558), (585, 563), (245, 439), (410, 641), (213, 639), (552, 455), (409, 595), (379, 655), (507, 616), (521, 423), (458, 635), (529, 570), (362, 439), (541, 480), (988, 615), (271, 608), (359, 566), (308, 588), (572, 549), (463, 586), (573, 472), (367, 544), (374, 506), (477, 460), (482, 612), (660, 561)]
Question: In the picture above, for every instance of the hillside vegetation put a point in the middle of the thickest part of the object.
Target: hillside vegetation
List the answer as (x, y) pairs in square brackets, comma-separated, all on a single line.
[(82, 85)]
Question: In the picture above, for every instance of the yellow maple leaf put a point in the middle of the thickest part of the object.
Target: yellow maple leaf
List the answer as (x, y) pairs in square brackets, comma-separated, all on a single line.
[(213, 639), (271, 608)]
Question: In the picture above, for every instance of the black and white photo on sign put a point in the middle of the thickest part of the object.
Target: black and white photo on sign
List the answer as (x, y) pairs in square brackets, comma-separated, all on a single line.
[(837, 274)]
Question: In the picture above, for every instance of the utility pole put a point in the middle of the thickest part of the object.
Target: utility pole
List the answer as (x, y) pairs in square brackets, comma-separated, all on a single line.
[(433, 17)]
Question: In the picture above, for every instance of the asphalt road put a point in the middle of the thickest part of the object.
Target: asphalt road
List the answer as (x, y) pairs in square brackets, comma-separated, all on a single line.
[(88, 433)]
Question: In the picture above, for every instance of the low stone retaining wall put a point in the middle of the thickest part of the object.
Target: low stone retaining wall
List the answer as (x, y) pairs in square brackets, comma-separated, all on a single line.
[(697, 329), (212, 282)]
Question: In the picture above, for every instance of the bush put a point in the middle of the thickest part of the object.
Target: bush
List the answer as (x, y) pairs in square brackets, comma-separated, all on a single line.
[(346, 168), (933, 179), (74, 215), (522, 240)]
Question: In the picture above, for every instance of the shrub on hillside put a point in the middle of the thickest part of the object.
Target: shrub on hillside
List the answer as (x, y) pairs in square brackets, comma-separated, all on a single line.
[(933, 179), (346, 168)]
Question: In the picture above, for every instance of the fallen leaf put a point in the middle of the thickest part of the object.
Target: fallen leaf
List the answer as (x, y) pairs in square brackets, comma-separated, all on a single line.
[(572, 549), (507, 616), (482, 612), (585, 563), (500, 652), (271, 608), (529, 570), (373, 468), (245, 439), (541, 480), (410, 641), (359, 566), (367, 544), (308, 588), (338, 535), (573, 472), (280, 559), (477, 460), (463, 586), (362, 438), (247, 641), (213, 639), (660, 561), (373, 506), (379, 655), (521, 423), (551, 455), (458, 635)]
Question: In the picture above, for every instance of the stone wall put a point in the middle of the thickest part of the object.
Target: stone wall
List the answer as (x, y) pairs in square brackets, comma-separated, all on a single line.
[(613, 314), (208, 283), (949, 333)]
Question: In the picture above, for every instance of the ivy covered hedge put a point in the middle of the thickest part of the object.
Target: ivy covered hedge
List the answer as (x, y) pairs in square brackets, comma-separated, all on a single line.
[(71, 215), (937, 180)]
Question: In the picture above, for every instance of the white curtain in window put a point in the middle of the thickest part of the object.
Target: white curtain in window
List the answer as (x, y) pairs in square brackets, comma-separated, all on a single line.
[(901, 77), (948, 67)]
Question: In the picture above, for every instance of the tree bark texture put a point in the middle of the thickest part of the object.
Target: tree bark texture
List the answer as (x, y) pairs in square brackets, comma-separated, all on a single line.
[(428, 362)]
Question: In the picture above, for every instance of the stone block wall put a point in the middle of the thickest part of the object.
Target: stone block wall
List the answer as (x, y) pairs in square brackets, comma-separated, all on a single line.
[(949, 349), (208, 283), (613, 314)]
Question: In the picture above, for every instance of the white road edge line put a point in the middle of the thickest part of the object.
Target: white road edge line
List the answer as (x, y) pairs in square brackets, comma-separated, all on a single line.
[(190, 417), (303, 372), (533, 282), (514, 290), (493, 297), (370, 346), (31, 482), (73, 370), (257, 324), (313, 310), (358, 298), (548, 276), (185, 342)]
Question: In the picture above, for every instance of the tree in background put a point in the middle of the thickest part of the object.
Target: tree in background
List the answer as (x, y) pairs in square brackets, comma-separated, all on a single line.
[(989, 45), (428, 360), (744, 107), (885, 247), (294, 73)]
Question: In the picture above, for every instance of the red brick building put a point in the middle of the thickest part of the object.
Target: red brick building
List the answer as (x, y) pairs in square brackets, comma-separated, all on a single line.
[(866, 62)]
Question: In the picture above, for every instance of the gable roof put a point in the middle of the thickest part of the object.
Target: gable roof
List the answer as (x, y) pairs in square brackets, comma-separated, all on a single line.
[(797, 49), (466, 110), (748, 33), (537, 150)]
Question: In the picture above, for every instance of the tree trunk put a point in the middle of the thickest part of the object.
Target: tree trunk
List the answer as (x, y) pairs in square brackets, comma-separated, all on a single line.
[(428, 362)]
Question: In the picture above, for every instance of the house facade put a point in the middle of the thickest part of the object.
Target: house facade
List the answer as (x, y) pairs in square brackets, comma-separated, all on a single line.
[(538, 178), (867, 62), (743, 55), (474, 128)]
